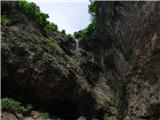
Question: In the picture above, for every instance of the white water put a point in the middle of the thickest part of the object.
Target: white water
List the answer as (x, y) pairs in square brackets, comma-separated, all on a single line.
[(77, 49)]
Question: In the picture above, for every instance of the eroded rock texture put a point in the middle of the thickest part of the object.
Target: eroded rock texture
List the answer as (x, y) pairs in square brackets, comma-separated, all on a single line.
[(126, 45), (119, 68), (41, 70)]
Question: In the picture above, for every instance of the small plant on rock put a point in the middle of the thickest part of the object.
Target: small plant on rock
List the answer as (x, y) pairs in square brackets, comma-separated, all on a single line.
[(13, 106), (81, 118), (4, 20)]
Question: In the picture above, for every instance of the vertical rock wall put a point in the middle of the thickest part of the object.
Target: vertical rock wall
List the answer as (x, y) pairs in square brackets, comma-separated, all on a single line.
[(127, 40)]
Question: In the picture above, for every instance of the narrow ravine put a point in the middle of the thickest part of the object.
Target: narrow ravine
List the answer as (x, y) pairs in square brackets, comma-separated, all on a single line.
[(110, 70)]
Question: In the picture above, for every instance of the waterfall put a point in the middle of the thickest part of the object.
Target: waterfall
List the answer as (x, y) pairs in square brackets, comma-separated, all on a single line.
[(77, 49)]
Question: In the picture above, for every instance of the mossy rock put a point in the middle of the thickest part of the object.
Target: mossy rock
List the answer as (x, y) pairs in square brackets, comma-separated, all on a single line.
[(5, 20), (113, 110), (111, 118), (20, 116), (50, 41)]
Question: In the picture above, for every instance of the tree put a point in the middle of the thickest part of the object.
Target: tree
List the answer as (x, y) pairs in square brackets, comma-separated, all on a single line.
[(63, 32), (41, 18), (91, 27)]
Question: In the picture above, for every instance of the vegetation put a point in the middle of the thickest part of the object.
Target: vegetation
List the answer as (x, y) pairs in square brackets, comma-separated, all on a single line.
[(84, 118), (63, 32), (51, 26), (111, 118), (81, 118), (91, 27), (113, 110), (13, 106), (50, 41), (41, 18), (45, 115), (4, 20)]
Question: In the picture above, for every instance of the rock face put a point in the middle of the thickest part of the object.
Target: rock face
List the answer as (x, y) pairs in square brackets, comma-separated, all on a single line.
[(41, 70), (119, 68), (126, 45), (143, 82)]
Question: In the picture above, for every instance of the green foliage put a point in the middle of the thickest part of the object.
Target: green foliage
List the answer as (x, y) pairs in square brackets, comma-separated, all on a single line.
[(11, 105), (63, 32), (92, 8), (41, 18), (91, 27), (4, 20), (85, 32), (51, 26), (69, 36), (28, 108), (81, 118)]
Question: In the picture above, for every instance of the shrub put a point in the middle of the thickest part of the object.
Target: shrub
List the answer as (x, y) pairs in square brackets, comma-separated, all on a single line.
[(51, 26), (28, 108), (41, 18), (63, 32), (11, 105), (81, 118), (92, 8)]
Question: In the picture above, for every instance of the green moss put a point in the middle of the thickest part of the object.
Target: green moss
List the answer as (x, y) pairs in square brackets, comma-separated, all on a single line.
[(120, 88), (4, 20), (113, 110), (70, 60), (51, 42), (111, 118), (20, 117)]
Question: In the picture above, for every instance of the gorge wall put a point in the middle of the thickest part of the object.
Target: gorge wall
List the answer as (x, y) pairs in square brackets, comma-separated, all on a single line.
[(126, 46), (118, 73)]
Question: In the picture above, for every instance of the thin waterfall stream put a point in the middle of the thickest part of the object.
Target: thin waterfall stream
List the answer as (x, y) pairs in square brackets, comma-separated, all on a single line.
[(77, 49)]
